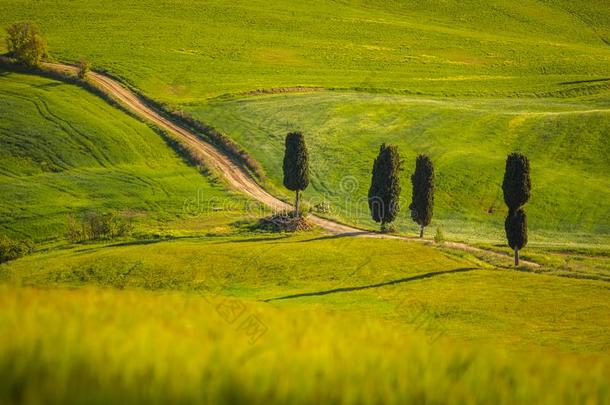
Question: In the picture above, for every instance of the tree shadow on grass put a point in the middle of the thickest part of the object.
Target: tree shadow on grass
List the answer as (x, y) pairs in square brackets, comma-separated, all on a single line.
[(586, 81), (83, 248), (255, 239), (337, 236), (377, 285)]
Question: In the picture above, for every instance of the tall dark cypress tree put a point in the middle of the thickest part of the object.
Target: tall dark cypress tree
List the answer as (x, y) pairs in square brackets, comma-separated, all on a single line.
[(296, 166), (384, 193), (516, 187), (422, 203), (516, 231), (516, 184)]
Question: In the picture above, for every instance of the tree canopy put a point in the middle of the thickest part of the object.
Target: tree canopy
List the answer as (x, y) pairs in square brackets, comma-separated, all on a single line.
[(25, 44)]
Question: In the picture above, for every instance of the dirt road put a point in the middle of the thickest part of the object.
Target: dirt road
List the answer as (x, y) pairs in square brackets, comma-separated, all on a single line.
[(235, 176)]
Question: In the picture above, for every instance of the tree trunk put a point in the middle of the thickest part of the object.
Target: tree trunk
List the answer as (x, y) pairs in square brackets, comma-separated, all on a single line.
[(516, 257), (298, 214), (421, 231)]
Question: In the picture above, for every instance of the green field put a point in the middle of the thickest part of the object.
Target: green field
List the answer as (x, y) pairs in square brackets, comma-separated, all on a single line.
[(198, 305), (472, 81), (411, 324), (197, 50), (67, 151), (468, 139)]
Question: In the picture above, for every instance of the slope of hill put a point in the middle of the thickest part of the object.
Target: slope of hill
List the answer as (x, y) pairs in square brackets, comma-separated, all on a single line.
[(64, 150), (468, 139), (454, 49), (201, 49), (182, 321)]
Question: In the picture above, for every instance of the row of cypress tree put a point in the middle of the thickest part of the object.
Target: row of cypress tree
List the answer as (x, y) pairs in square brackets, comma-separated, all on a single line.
[(384, 192)]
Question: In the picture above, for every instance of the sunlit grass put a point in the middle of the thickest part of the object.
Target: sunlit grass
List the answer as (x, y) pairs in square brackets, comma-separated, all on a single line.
[(452, 47), (457, 296), (65, 151), (95, 346), (467, 139)]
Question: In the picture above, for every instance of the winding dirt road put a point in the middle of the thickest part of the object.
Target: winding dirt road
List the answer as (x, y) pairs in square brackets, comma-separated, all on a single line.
[(235, 176)]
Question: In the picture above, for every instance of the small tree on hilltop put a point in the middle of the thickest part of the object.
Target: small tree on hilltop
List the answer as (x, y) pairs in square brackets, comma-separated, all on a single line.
[(384, 193), (516, 231), (25, 44), (516, 187), (422, 203), (296, 166)]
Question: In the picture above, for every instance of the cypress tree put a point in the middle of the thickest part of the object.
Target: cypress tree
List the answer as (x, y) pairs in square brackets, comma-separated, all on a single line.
[(296, 166), (516, 231), (516, 184), (422, 203), (516, 187), (384, 193)]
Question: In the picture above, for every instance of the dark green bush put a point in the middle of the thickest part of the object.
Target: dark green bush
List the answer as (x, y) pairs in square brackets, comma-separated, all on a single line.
[(13, 249), (95, 226)]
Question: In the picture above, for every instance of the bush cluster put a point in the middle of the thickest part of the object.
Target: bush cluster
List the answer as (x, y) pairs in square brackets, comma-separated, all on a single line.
[(94, 226), (25, 44), (13, 249)]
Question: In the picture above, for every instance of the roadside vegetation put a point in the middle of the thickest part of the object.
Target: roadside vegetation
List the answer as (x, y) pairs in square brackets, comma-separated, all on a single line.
[(25, 44)]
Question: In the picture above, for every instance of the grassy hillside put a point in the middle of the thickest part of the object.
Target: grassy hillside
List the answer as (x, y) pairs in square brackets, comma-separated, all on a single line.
[(468, 139), (493, 74), (225, 314), (63, 150), (443, 47), (408, 324), (457, 296)]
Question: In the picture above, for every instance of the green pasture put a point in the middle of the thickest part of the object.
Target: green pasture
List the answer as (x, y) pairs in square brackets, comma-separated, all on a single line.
[(185, 51), (567, 143), (350, 320), (66, 151)]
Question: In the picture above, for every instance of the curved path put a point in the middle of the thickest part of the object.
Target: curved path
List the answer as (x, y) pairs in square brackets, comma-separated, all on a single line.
[(235, 176)]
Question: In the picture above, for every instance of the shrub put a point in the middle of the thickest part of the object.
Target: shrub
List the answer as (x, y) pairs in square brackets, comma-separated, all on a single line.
[(83, 68), (25, 44), (12, 249), (94, 226), (388, 228), (439, 237), (283, 222), (322, 207)]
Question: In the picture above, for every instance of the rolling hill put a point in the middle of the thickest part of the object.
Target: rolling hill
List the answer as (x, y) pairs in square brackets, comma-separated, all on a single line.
[(466, 82), (202, 49), (468, 139), (65, 151), (199, 305)]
